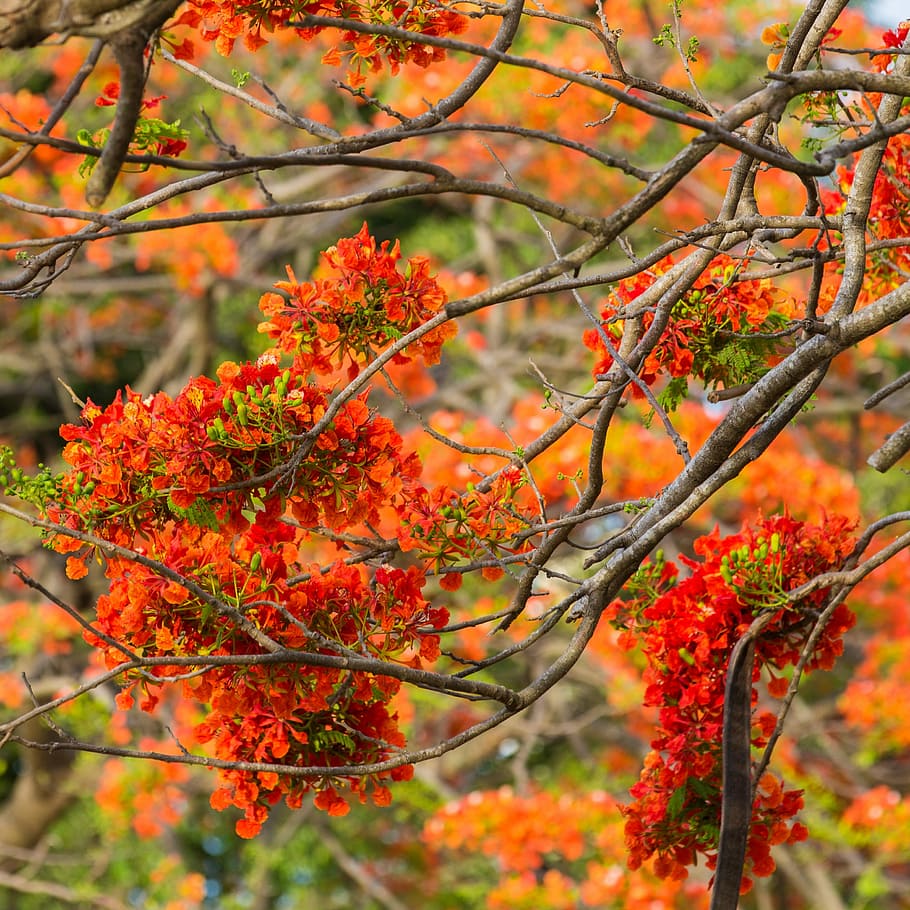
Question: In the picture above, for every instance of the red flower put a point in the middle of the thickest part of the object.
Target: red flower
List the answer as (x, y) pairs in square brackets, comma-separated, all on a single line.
[(687, 632)]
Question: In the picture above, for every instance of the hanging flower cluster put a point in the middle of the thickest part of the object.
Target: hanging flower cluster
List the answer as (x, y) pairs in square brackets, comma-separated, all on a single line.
[(224, 21), (687, 630), (171, 479), (212, 494), (718, 331)]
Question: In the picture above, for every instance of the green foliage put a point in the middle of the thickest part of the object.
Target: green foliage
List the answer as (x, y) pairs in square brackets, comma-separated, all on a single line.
[(665, 37), (871, 887), (36, 490), (672, 395), (240, 77), (200, 513), (151, 136)]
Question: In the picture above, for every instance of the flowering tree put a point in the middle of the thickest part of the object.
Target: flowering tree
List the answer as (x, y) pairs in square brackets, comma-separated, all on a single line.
[(303, 553)]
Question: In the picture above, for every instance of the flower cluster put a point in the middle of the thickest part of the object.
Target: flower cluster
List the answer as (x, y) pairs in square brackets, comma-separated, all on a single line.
[(140, 462), (717, 332), (297, 714), (171, 479), (212, 495), (361, 306), (446, 527), (687, 631), (866, 814), (224, 21)]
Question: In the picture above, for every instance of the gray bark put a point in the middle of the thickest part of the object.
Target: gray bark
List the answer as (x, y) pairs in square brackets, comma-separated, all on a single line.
[(25, 23)]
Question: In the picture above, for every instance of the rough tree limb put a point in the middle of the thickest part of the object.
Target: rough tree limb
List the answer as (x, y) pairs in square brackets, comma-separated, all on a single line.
[(25, 23)]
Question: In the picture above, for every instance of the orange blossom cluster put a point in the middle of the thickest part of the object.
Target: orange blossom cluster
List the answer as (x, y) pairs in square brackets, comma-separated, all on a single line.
[(213, 493), (363, 303)]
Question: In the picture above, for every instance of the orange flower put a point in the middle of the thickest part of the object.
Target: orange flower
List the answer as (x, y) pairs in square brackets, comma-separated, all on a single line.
[(76, 568)]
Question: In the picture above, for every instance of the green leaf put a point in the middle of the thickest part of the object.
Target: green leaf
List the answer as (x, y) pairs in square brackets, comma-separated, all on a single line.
[(676, 803), (93, 140), (676, 390)]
